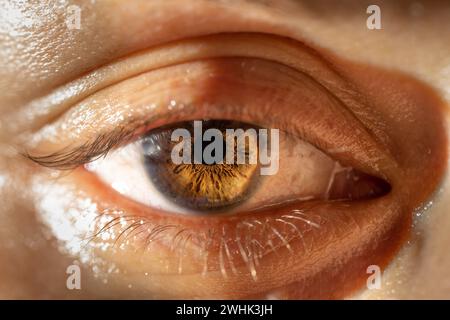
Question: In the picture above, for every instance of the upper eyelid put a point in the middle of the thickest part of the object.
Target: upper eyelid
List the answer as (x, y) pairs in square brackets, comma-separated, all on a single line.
[(335, 96), (289, 52), (64, 158), (70, 158)]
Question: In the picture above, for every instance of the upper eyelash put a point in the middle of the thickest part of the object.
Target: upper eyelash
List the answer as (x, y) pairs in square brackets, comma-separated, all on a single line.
[(87, 152), (71, 158)]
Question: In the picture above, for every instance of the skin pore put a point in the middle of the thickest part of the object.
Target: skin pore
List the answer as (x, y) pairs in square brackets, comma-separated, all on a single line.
[(40, 55)]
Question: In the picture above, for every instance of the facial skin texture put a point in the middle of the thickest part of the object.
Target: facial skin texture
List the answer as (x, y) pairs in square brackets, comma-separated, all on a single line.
[(40, 54)]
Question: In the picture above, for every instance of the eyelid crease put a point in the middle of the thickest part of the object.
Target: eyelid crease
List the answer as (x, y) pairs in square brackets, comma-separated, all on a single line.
[(287, 51)]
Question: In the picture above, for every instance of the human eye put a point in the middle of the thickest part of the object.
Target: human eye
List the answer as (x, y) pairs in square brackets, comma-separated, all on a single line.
[(335, 200), (242, 171)]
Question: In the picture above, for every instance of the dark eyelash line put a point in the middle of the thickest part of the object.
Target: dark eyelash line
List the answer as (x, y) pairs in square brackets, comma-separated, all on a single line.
[(69, 159)]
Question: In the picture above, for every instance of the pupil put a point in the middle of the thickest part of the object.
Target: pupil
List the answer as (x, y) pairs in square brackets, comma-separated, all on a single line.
[(198, 157)]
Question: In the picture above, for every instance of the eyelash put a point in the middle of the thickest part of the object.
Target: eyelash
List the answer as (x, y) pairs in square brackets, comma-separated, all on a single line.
[(69, 159), (248, 252), (90, 151)]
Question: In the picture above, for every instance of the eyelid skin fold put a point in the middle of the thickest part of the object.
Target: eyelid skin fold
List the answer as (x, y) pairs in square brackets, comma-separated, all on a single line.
[(226, 88), (263, 46), (339, 106)]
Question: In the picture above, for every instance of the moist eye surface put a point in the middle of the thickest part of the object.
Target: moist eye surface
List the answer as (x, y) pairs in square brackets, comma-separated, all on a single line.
[(206, 180)]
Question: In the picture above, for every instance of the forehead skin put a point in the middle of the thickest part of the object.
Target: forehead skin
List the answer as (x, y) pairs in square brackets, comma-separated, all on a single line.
[(39, 53)]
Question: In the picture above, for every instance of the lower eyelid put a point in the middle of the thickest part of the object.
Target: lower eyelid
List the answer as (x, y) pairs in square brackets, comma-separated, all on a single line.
[(326, 230)]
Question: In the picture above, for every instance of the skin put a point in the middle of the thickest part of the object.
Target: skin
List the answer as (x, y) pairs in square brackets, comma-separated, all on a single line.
[(40, 54)]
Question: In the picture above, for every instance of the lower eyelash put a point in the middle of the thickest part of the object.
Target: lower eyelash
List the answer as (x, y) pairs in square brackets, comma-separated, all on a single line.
[(251, 240), (82, 227)]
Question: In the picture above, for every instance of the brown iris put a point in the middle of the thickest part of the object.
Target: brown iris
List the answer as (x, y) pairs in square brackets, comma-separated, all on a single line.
[(199, 185)]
